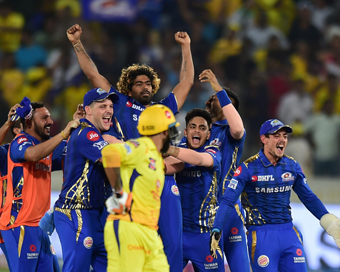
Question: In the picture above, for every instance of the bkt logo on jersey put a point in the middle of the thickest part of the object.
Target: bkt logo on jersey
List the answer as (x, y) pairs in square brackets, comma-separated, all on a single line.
[(287, 176), (262, 178)]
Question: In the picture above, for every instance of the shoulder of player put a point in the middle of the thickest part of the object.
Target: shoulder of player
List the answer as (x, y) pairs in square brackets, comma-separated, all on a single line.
[(253, 159), (289, 158), (87, 131)]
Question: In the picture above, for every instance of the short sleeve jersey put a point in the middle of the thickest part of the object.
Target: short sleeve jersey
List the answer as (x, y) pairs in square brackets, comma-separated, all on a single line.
[(231, 151), (127, 111), (85, 184), (142, 174), (266, 191), (198, 188)]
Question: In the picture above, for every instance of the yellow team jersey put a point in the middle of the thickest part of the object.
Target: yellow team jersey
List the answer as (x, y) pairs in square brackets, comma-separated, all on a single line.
[(142, 173)]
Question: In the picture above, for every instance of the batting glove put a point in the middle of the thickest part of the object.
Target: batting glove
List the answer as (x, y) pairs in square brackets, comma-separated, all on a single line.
[(331, 224), (119, 203)]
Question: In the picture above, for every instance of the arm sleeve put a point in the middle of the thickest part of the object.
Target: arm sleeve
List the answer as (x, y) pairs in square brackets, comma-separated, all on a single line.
[(306, 195), (18, 148), (232, 193), (90, 144), (171, 102)]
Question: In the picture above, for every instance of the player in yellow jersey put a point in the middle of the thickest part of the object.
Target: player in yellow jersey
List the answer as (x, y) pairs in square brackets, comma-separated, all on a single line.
[(136, 171)]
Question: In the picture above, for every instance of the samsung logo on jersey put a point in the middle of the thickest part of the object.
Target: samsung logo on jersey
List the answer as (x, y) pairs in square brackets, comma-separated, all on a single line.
[(279, 189)]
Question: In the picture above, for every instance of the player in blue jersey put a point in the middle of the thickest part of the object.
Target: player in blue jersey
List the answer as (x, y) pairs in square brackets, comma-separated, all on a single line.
[(198, 186), (32, 156), (136, 87), (265, 181), (228, 133), (79, 214)]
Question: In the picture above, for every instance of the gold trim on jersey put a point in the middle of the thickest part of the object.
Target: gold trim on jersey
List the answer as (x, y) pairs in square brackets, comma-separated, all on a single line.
[(21, 239), (232, 168), (289, 157), (67, 212), (78, 191), (251, 216), (238, 211), (80, 224), (210, 207), (253, 244), (298, 235), (4, 190), (251, 159), (119, 128), (83, 126), (17, 193), (12, 220)]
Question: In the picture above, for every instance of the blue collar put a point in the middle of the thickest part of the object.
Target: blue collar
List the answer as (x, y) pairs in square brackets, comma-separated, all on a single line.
[(266, 162)]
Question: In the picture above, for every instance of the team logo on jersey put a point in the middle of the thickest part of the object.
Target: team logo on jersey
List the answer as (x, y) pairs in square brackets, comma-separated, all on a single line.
[(263, 261), (88, 242), (135, 143), (167, 114), (254, 178), (92, 136), (209, 258), (233, 184), (238, 171), (287, 176), (234, 230), (216, 141), (33, 248), (22, 139), (52, 249), (174, 190), (128, 104), (152, 164), (299, 259)]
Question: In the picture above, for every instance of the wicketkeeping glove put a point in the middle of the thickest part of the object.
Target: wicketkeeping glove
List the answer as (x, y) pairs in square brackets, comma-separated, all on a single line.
[(119, 203), (47, 222), (215, 237), (331, 224)]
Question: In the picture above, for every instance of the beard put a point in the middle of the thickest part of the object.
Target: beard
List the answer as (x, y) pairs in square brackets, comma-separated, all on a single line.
[(144, 100), (166, 145), (40, 131)]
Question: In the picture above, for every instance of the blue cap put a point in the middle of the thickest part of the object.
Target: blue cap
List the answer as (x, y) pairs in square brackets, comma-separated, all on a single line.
[(271, 126), (98, 94)]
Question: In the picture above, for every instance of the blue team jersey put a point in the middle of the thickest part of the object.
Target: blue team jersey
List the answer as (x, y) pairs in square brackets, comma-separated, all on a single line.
[(231, 151), (266, 191), (3, 159), (198, 188), (85, 184), (127, 111)]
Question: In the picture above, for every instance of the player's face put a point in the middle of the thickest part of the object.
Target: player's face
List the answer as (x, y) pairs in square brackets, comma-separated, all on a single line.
[(100, 114), (212, 105), (197, 132), (275, 144), (141, 90), (42, 123)]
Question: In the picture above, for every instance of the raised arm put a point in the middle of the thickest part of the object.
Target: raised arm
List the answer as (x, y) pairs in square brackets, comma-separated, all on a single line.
[(186, 77), (42, 150), (5, 127), (230, 113), (85, 62), (191, 156)]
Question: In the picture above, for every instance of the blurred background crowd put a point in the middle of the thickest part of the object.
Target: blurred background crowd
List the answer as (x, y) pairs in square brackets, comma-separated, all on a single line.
[(282, 57)]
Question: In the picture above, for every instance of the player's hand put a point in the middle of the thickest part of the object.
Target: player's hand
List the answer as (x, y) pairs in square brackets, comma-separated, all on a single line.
[(74, 33), (70, 126), (215, 237), (208, 76), (80, 112), (47, 222), (331, 225), (182, 38), (119, 203), (12, 116)]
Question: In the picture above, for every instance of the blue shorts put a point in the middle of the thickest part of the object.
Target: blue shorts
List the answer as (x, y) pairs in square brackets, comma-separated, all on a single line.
[(275, 248), (196, 248), (234, 241), (29, 249), (170, 224), (81, 234)]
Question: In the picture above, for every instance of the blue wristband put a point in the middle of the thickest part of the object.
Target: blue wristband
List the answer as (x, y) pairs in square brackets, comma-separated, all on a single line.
[(223, 98)]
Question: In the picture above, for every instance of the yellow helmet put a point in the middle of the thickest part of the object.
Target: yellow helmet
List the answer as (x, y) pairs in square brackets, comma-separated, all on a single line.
[(157, 118)]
